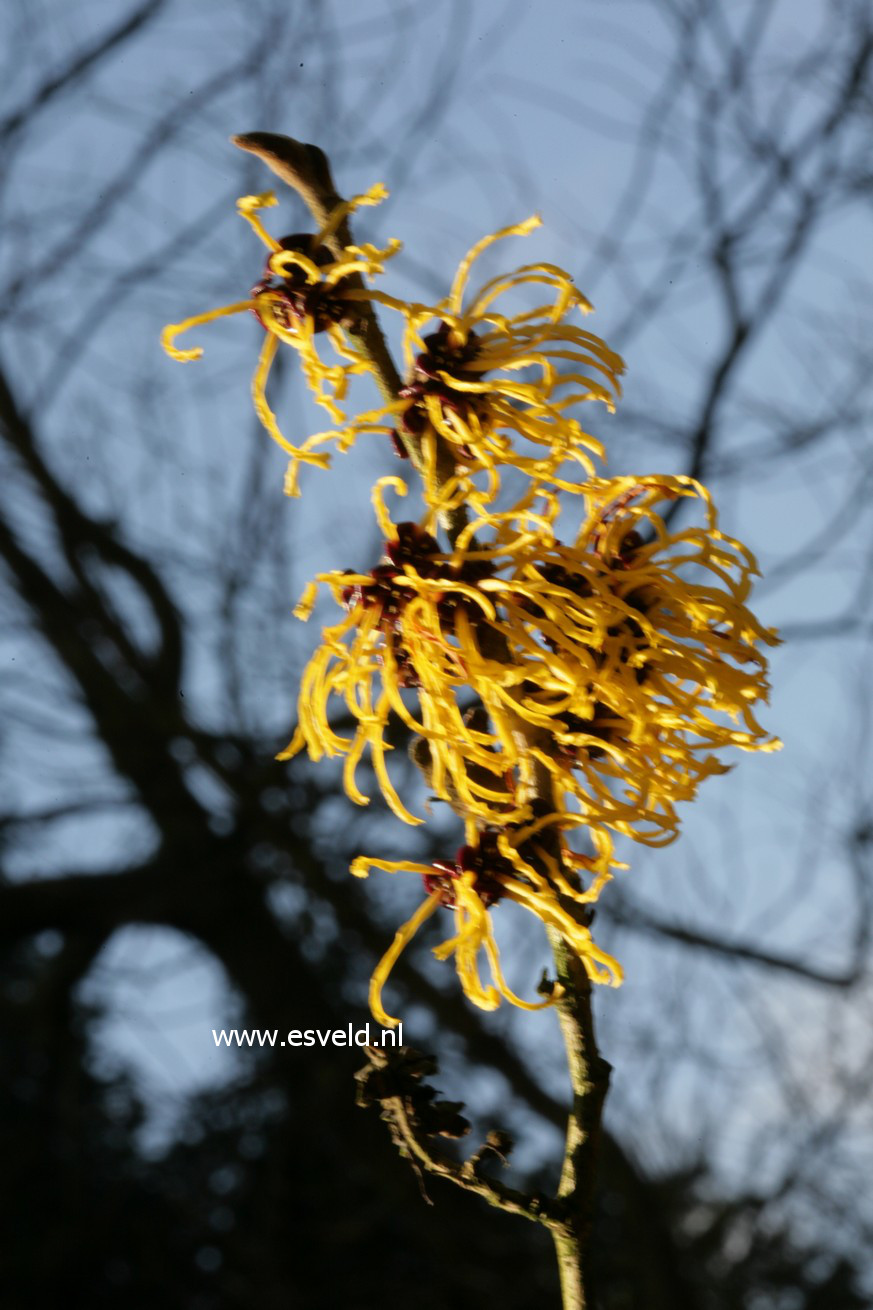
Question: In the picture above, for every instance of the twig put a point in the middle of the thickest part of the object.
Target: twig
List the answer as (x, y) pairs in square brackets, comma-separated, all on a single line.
[(568, 1216), (589, 1077), (394, 1080)]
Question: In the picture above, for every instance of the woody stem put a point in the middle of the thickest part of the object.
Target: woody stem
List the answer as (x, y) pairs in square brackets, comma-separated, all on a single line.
[(306, 169), (589, 1078)]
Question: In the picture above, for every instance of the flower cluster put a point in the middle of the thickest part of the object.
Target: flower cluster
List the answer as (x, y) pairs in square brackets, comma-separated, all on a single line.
[(558, 691), (304, 291), (492, 869), (619, 663), (496, 388), (463, 385)]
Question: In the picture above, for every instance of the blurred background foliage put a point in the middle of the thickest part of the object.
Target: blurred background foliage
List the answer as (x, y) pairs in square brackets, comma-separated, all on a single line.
[(705, 171)]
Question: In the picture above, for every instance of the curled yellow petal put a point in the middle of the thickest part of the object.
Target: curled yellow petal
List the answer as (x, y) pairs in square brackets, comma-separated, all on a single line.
[(402, 937), (174, 330)]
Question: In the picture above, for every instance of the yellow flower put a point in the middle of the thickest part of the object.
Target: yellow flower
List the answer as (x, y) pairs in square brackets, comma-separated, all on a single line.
[(396, 637), (492, 868), (640, 657), (305, 291), (469, 380), (601, 662)]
